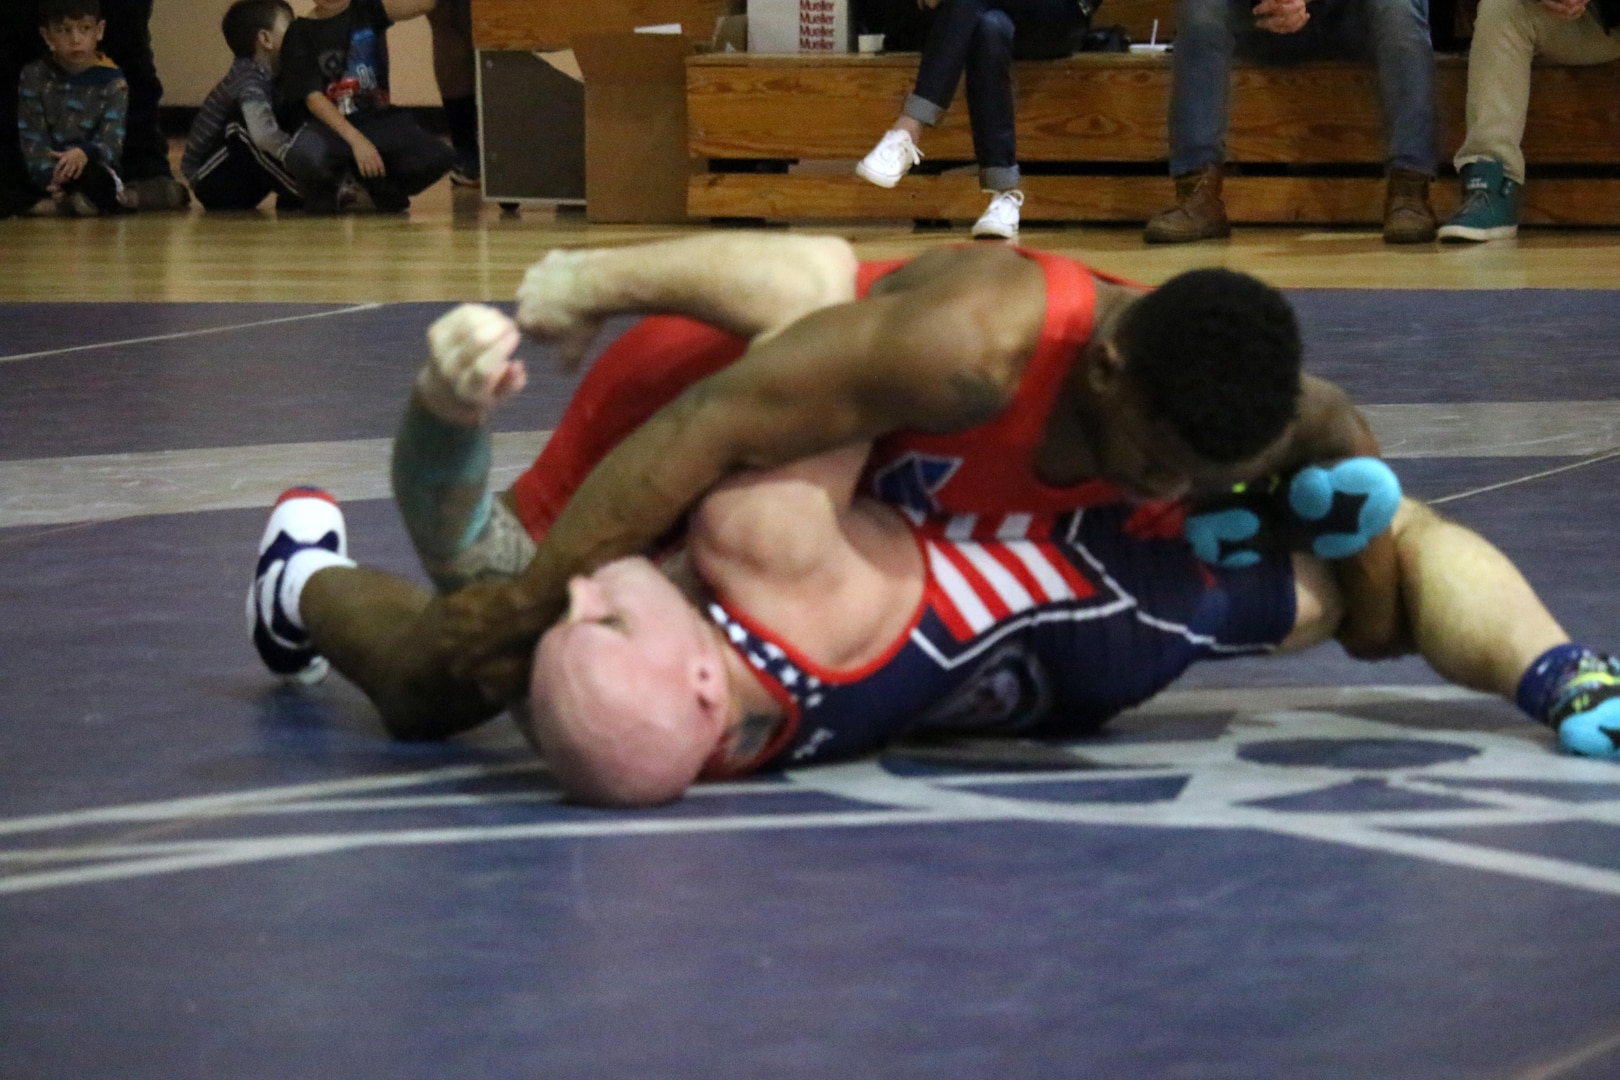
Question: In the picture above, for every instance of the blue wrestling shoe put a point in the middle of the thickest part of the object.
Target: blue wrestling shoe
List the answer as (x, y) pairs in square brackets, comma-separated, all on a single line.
[(1331, 512), (1338, 509), (1586, 711), (1230, 536), (305, 520)]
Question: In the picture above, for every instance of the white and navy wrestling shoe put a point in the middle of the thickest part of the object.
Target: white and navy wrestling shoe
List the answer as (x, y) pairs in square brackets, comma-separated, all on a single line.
[(305, 534)]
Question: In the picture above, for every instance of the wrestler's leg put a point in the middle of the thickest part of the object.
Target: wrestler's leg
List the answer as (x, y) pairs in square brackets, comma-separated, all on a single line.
[(310, 608), (383, 632), (379, 630), (747, 283), (1473, 616), (1477, 621)]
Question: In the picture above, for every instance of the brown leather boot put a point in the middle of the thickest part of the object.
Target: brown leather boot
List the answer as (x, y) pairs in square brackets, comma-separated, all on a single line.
[(1199, 213), (1407, 217)]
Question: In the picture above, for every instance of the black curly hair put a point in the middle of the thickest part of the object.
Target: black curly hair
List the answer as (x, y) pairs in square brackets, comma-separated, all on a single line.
[(1216, 355)]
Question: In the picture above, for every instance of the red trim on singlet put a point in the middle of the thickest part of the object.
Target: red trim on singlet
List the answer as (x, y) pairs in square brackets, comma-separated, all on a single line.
[(867, 274), (717, 767), (997, 470)]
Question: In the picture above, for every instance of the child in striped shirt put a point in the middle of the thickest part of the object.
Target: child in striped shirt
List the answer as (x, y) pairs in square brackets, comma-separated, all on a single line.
[(233, 158)]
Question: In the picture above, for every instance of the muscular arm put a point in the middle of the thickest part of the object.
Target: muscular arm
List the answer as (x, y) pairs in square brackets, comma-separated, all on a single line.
[(941, 351), (750, 284)]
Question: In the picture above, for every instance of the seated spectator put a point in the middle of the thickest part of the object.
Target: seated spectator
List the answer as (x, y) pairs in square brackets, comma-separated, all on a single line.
[(1393, 34), (334, 75), (70, 114), (1508, 35), (127, 41), (981, 37), (234, 156)]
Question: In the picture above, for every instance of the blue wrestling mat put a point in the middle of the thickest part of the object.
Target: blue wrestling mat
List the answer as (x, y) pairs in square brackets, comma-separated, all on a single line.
[(1292, 868)]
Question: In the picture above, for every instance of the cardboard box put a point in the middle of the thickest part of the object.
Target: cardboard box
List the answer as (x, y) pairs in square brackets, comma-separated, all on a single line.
[(636, 165), (790, 26)]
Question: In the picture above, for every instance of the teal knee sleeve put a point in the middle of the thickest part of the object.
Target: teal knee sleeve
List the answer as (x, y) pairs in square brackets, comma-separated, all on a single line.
[(441, 478)]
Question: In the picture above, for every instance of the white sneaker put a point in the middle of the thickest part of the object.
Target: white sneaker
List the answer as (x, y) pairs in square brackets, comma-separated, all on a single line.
[(304, 519), (1000, 218), (890, 159)]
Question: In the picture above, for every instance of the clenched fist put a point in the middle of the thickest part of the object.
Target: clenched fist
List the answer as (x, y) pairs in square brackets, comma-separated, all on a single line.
[(555, 305), (471, 369)]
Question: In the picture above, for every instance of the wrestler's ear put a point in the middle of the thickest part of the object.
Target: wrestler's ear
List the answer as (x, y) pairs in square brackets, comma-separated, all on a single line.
[(713, 690), (1105, 368), (708, 675)]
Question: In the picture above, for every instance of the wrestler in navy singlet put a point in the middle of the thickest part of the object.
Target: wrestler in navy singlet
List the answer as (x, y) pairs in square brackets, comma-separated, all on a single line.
[(1029, 625)]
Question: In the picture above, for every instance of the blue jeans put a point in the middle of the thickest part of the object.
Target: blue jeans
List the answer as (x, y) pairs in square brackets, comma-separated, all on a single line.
[(1392, 34), (983, 37)]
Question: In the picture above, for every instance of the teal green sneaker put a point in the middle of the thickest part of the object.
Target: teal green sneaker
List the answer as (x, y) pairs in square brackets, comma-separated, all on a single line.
[(1490, 209)]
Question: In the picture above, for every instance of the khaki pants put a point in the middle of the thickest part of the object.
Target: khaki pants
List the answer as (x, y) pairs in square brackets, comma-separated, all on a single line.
[(1507, 35)]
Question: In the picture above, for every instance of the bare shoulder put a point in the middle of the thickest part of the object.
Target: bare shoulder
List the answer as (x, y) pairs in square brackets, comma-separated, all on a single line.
[(979, 268), (980, 309), (779, 522)]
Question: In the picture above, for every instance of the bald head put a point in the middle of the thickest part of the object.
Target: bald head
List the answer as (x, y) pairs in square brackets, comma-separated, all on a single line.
[(629, 695)]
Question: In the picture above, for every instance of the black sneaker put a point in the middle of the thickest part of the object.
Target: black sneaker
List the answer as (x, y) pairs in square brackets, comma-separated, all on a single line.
[(466, 171)]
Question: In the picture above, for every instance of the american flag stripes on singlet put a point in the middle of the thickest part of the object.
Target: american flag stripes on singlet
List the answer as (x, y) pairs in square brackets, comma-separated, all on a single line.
[(1031, 624)]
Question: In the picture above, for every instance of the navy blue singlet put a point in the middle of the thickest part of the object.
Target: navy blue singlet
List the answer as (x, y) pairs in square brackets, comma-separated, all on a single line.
[(1036, 626)]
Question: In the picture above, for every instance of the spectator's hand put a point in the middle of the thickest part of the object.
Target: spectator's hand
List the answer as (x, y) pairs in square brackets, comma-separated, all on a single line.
[(553, 305), (366, 158), (490, 630), (69, 165), (927, 5), (1568, 10), (1281, 16), (471, 370)]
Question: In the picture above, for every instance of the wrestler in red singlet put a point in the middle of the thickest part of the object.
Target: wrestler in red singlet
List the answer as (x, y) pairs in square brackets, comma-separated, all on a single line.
[(989, 468)]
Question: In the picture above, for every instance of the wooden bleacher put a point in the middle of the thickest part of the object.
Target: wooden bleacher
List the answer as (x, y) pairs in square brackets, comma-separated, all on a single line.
[(542, 26), (1310, 137), (776, 137)]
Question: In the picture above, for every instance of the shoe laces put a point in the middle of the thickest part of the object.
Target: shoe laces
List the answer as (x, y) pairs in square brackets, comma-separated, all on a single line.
[(897, 149), (1005, 202)]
